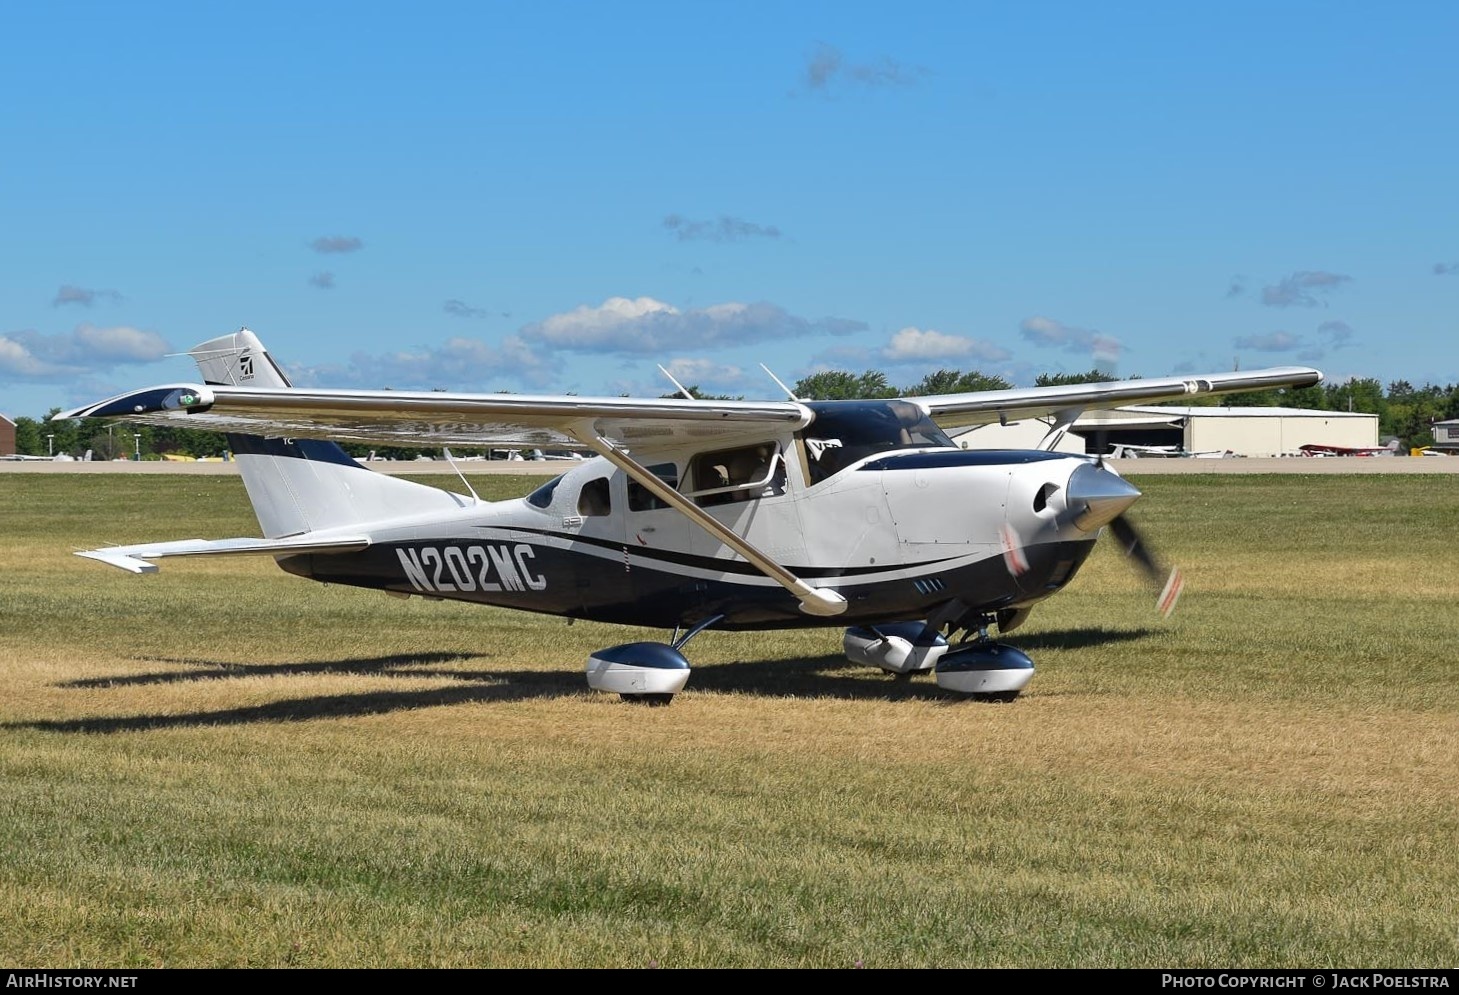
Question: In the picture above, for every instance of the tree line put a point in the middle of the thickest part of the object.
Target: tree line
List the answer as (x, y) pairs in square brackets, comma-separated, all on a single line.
[(1403, 410)]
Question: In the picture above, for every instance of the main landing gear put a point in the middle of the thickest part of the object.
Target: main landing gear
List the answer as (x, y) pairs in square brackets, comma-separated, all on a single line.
[(645, 673), (974, 666)]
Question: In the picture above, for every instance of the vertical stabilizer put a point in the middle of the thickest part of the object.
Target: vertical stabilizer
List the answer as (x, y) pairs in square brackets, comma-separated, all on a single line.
[(304, 485)]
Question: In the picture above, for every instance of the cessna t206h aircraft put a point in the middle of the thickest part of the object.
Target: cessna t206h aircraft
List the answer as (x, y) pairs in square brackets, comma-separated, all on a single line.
[(696, 514)]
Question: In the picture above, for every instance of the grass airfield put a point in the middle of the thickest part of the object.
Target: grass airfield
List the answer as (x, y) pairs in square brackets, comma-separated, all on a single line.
[(225, 766)]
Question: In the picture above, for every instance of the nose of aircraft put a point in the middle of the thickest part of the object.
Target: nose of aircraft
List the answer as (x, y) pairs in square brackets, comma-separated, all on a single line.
[(1095, 496)]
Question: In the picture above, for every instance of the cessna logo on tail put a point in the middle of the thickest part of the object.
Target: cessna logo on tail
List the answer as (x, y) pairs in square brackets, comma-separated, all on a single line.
[(470, 568)]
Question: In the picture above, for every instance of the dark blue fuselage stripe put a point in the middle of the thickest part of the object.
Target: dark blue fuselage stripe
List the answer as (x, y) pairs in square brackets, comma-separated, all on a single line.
[(961, 457), (608, 590), (314, 450), (716, 564)]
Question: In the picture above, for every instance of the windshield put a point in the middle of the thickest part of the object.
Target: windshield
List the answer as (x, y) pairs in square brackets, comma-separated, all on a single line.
[(843, 432), (542, 496)]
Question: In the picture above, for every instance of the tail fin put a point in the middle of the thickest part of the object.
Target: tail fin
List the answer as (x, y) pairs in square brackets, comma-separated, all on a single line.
[(304, 485)]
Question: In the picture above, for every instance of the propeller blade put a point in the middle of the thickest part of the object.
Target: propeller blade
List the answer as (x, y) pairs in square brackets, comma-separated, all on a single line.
[(1134, 545), (1013, 556)]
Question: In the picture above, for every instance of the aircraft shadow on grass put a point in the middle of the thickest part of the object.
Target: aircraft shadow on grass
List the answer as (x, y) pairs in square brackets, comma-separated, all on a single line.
[(814, 677)]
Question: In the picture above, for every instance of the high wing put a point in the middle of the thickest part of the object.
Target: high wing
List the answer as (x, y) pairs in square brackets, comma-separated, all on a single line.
[(395, 417), (986, 406), (434, 418)]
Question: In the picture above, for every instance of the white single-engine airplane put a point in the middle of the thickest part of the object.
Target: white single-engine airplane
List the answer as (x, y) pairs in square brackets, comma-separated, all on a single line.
[(698, 514)]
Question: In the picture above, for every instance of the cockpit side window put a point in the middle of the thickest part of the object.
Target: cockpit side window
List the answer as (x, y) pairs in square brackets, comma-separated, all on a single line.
[(594, 499), (640, 498), (542, 496)]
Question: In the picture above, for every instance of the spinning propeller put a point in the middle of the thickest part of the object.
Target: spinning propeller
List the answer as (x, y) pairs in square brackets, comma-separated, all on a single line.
[(1128, 537), (1095, 497)]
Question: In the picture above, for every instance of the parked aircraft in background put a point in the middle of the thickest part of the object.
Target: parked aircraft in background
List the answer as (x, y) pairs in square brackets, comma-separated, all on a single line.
[(695, 514), (58, 458), (1121, 450), (1314, 449)]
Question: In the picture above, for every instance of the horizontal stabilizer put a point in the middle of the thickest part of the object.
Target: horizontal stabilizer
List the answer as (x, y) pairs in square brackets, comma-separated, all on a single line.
[(135, 558)]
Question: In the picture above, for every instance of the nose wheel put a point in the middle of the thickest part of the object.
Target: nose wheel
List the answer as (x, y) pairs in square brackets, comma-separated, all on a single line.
[(980, 668)]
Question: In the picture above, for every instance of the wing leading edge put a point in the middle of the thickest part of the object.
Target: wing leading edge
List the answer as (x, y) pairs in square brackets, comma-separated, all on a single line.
[(986, 406), (437, 417), (393, 417)]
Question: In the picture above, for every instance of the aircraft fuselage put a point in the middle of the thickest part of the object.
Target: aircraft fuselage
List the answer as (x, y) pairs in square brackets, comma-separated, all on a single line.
[(896, 534)]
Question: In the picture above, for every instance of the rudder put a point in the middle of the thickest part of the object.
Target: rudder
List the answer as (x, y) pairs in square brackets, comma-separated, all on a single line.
[(304, 485)]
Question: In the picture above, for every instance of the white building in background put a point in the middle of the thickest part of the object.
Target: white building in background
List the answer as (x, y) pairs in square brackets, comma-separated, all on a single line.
[(1239, 431), (1016, 435), (1446, 435)]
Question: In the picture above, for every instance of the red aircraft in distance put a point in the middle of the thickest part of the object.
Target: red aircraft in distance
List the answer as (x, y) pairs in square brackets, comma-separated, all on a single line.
[(1312, 449)]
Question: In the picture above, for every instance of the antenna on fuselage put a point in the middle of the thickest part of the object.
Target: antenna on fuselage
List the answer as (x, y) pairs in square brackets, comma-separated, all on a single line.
[(682, 389), (447, 453), (788, 392)]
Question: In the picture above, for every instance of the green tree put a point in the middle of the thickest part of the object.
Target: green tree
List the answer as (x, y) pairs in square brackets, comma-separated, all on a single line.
[(29, 438), (1068, 379), (1411, 413), (955, 382), (1357, 394), (841, 385), (701, 396), (67, 434)]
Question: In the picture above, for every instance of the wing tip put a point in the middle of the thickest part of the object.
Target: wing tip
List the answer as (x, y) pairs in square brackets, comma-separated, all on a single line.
[(122, 561)]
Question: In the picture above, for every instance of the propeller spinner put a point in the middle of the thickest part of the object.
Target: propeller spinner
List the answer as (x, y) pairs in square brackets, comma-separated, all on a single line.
[(1096, 497)]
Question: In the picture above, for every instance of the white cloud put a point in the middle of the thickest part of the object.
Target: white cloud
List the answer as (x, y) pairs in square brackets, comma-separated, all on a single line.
[(69, 294), (1338, 333), (916, 345), (460, 309), (723, 229), (696, 370), (645, 325), (827, 66), (336, 243), (1301, 289), (457, 364), (1271, 342), (1043, 331), (87, 349), (19, 362)]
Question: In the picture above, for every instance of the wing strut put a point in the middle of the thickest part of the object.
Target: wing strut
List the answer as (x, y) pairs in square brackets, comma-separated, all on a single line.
[(813, 600), (1063, 420)]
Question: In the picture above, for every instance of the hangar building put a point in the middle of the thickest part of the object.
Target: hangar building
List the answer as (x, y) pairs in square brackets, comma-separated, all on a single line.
[(7, 436), (1241, 431), (1446, 435)]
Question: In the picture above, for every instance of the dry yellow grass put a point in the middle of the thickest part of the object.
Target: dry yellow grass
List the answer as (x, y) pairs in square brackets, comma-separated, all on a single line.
[(224, 765)]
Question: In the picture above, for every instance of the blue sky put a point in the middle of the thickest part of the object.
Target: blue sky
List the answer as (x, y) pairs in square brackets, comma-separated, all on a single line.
[(556, 197)]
